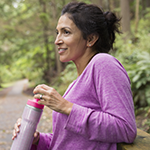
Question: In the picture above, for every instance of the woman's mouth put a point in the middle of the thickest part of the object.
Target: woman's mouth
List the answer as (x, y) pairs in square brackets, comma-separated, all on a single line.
[(61, 50)]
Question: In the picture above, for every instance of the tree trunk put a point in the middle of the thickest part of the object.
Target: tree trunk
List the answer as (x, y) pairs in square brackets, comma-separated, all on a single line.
[(99, 3), (48, 70), (125, 21), (106, 2), (137, 15), (111, 5), (54, 18), (143, 8), (148, 3)]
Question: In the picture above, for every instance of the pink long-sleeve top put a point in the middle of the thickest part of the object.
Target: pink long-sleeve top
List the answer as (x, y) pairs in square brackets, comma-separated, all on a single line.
[(103, 110)]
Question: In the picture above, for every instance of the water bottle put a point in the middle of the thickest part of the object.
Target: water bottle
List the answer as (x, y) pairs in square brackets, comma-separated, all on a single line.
[(30, 119)]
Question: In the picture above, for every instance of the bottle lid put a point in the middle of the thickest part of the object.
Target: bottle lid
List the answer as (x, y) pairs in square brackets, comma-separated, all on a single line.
[(34, 103)]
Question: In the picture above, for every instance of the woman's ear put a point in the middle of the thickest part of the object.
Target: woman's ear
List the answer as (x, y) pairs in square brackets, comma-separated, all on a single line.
[(92, 39)]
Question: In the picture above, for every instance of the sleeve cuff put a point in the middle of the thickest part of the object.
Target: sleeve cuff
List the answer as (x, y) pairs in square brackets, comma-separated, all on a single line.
[(75, 119)]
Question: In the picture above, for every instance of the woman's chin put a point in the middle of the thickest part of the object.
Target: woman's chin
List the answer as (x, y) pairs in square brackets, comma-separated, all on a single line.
[(64, 59)]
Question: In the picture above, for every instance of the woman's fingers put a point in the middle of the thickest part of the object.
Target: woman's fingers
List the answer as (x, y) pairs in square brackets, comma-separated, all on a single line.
[(17, 125), (42, 88), (38, 96), (19, 121), (16, 128), (44, 92), (51, 98), (15, 131), (36, 138), (14, 135)]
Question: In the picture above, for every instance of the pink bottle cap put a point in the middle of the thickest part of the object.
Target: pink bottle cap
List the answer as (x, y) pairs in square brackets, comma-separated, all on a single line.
[(34, 103)]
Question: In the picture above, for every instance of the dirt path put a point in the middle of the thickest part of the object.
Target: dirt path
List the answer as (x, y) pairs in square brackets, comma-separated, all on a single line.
[(12, 103)]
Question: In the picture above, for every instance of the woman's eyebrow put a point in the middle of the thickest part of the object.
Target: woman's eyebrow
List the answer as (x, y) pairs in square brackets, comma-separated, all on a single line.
[(63, 28)]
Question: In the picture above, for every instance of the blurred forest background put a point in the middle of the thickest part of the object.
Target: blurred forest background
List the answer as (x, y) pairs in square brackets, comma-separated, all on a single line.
[(27, 50)]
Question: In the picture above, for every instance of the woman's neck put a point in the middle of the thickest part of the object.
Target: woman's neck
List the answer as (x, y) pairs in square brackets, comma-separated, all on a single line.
[(81, 64)]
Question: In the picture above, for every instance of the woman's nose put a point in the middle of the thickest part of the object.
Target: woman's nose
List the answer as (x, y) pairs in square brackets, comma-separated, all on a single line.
[(58, 40)]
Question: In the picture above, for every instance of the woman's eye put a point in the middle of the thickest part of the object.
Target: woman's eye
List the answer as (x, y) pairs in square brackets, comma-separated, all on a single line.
[(66, 32), (56, 32)]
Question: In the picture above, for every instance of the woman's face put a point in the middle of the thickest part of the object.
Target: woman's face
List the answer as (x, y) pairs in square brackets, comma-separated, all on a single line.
[(70, 42)]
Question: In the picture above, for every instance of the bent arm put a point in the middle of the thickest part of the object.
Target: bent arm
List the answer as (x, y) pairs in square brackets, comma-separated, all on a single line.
[(101, 126), (114, 121)]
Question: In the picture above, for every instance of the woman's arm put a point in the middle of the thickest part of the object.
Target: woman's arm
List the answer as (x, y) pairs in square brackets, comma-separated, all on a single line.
[(114, 121), (101, 126)]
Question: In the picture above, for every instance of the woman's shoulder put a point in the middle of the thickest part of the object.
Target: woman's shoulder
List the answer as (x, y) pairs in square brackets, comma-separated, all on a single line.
[(106, 61), (104, 58)]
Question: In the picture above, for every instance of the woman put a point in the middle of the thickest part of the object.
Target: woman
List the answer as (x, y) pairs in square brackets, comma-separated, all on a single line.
[(96, 111)]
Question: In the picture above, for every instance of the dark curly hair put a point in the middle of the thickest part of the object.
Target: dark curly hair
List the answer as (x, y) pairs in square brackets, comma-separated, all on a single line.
[(91, 19)]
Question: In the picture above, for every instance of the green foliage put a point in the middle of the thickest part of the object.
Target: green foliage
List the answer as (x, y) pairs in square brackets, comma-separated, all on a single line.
[(65, 78), (27, 38), (44, 17), (135, 57), (22, 48)]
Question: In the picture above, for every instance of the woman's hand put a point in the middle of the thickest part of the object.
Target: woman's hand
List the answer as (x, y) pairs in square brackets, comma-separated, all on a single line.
[(17, 130), (52, 99)]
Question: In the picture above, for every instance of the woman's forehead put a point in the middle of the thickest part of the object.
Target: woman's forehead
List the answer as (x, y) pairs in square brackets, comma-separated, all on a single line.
[(65, 21)]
